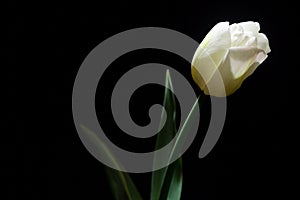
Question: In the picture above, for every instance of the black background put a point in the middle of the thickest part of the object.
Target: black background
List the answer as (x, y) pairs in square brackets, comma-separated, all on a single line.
[(42, 156)]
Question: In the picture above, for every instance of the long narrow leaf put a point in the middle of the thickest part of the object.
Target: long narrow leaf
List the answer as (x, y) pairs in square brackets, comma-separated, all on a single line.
[(176, 182), (121, 184), (167, 182)]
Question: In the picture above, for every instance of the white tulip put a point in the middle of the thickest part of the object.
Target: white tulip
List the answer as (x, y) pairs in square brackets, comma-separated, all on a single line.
[(234, 51)]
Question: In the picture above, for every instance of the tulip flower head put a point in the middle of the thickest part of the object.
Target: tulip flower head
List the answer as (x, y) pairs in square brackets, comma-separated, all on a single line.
[(232, 52)]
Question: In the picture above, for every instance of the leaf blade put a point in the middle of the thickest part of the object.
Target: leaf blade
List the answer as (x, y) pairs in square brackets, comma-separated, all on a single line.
[(167, 182), (121, 184)]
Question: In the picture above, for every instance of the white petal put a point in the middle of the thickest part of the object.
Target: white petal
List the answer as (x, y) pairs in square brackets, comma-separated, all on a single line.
[(215, 35), (236, 28), (250, 26), (243, 39), (210, 54), (258, 60), (236, 33), (216, 43), (237, 63), (263, 43), (203, 68), (205, 73), (240, 59), (251, 42)]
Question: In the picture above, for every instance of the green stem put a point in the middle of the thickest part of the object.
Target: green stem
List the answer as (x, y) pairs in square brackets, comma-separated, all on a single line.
[(199, 101)]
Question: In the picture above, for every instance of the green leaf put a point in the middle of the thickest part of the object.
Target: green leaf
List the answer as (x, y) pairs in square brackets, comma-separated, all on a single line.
[(121, 184), (167, 182), (173, 182)]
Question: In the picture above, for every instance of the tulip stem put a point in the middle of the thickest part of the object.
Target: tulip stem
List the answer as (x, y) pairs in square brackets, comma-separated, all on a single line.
[(187, 123)]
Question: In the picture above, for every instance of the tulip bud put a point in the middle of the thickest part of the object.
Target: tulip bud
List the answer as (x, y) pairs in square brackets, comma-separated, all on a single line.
[(230, 51)]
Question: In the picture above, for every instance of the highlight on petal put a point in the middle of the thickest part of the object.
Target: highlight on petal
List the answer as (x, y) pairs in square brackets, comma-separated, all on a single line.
[(236, 64), (207, 76), (250, 26), (258, 60), (240, 59), (215, 43), (203, 68), (263, 43), (217, 34)]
